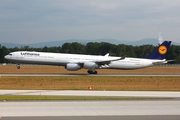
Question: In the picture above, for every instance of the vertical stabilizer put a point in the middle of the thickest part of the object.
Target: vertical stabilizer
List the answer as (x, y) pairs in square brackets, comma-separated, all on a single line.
[(160, 52)]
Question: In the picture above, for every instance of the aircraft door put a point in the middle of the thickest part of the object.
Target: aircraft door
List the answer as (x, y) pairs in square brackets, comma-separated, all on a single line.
[(57, 58), (142, 63), (17, 56)]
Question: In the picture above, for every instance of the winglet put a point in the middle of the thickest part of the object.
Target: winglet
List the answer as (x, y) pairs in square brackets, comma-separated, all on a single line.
[(123, 57), (106, 55), (160, 52)]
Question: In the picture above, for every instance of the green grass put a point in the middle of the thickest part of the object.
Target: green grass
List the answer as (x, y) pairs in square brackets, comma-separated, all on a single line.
[(36, 98)]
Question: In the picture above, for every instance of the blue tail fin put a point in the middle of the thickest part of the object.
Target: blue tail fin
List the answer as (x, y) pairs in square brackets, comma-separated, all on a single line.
[(160, 52)]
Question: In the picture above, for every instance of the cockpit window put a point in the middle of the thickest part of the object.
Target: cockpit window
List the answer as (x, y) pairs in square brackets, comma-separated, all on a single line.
[(10, 54)]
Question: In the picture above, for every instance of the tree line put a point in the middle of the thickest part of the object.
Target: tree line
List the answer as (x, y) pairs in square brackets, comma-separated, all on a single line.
[(94, 48)]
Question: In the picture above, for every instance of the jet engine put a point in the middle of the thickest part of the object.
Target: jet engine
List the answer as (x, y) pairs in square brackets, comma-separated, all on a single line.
[(90, 65), (72, 66)]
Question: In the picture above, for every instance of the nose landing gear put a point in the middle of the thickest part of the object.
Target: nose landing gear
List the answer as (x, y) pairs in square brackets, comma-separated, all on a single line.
[(18, 66)]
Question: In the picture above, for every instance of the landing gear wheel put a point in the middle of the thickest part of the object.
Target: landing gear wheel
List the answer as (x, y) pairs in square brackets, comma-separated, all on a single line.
[(95, 72), (89, 71), (92, 72), (18, 66)]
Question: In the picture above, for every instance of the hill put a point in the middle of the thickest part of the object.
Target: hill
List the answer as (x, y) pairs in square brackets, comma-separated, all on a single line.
[(152, 41)]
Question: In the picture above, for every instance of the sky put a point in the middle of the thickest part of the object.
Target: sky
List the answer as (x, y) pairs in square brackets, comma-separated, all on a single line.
[(34, 21)]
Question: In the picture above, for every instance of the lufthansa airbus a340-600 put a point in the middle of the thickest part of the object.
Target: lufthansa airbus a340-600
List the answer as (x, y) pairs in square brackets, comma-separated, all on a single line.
[(90, 62)]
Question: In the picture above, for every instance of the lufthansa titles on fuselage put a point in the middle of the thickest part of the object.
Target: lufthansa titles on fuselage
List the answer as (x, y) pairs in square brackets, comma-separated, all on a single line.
[(29, 53)]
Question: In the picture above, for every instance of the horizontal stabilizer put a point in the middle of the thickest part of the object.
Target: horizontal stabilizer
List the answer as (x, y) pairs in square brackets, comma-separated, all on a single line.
[(162, 62)]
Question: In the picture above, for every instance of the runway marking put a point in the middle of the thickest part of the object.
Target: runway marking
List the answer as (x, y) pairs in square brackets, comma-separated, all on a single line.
[(156, 94)]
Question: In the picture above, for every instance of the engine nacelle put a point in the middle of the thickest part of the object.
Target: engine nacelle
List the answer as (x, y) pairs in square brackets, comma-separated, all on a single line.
[(90, 65), (72, 66)]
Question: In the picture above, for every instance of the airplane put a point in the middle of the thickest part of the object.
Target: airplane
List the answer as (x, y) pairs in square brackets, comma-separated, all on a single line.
[(75, 62)]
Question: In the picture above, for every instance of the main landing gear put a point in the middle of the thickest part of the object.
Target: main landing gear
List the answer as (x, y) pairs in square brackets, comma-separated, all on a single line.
[(92, 71), (18, 66)]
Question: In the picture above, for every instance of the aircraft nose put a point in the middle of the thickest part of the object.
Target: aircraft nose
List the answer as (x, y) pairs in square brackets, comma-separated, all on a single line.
[(6, 57)]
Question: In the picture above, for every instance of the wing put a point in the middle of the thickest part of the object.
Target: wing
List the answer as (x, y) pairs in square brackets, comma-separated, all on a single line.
[(103, 62), (99, 63), (92, 64)]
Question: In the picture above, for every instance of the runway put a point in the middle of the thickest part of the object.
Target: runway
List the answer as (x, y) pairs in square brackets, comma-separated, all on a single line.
[(156, 94), (102, 110), (89, 110), (147, 117), (133, 75)]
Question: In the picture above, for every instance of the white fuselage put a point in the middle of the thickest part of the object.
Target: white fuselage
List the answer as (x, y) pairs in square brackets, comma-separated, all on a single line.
[(61, 59)]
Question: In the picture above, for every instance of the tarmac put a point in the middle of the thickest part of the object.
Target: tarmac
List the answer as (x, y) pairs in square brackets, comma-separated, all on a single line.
[(90, 110)]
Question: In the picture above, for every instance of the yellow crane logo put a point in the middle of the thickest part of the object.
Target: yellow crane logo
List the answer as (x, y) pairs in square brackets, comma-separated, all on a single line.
[(162, 49)]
